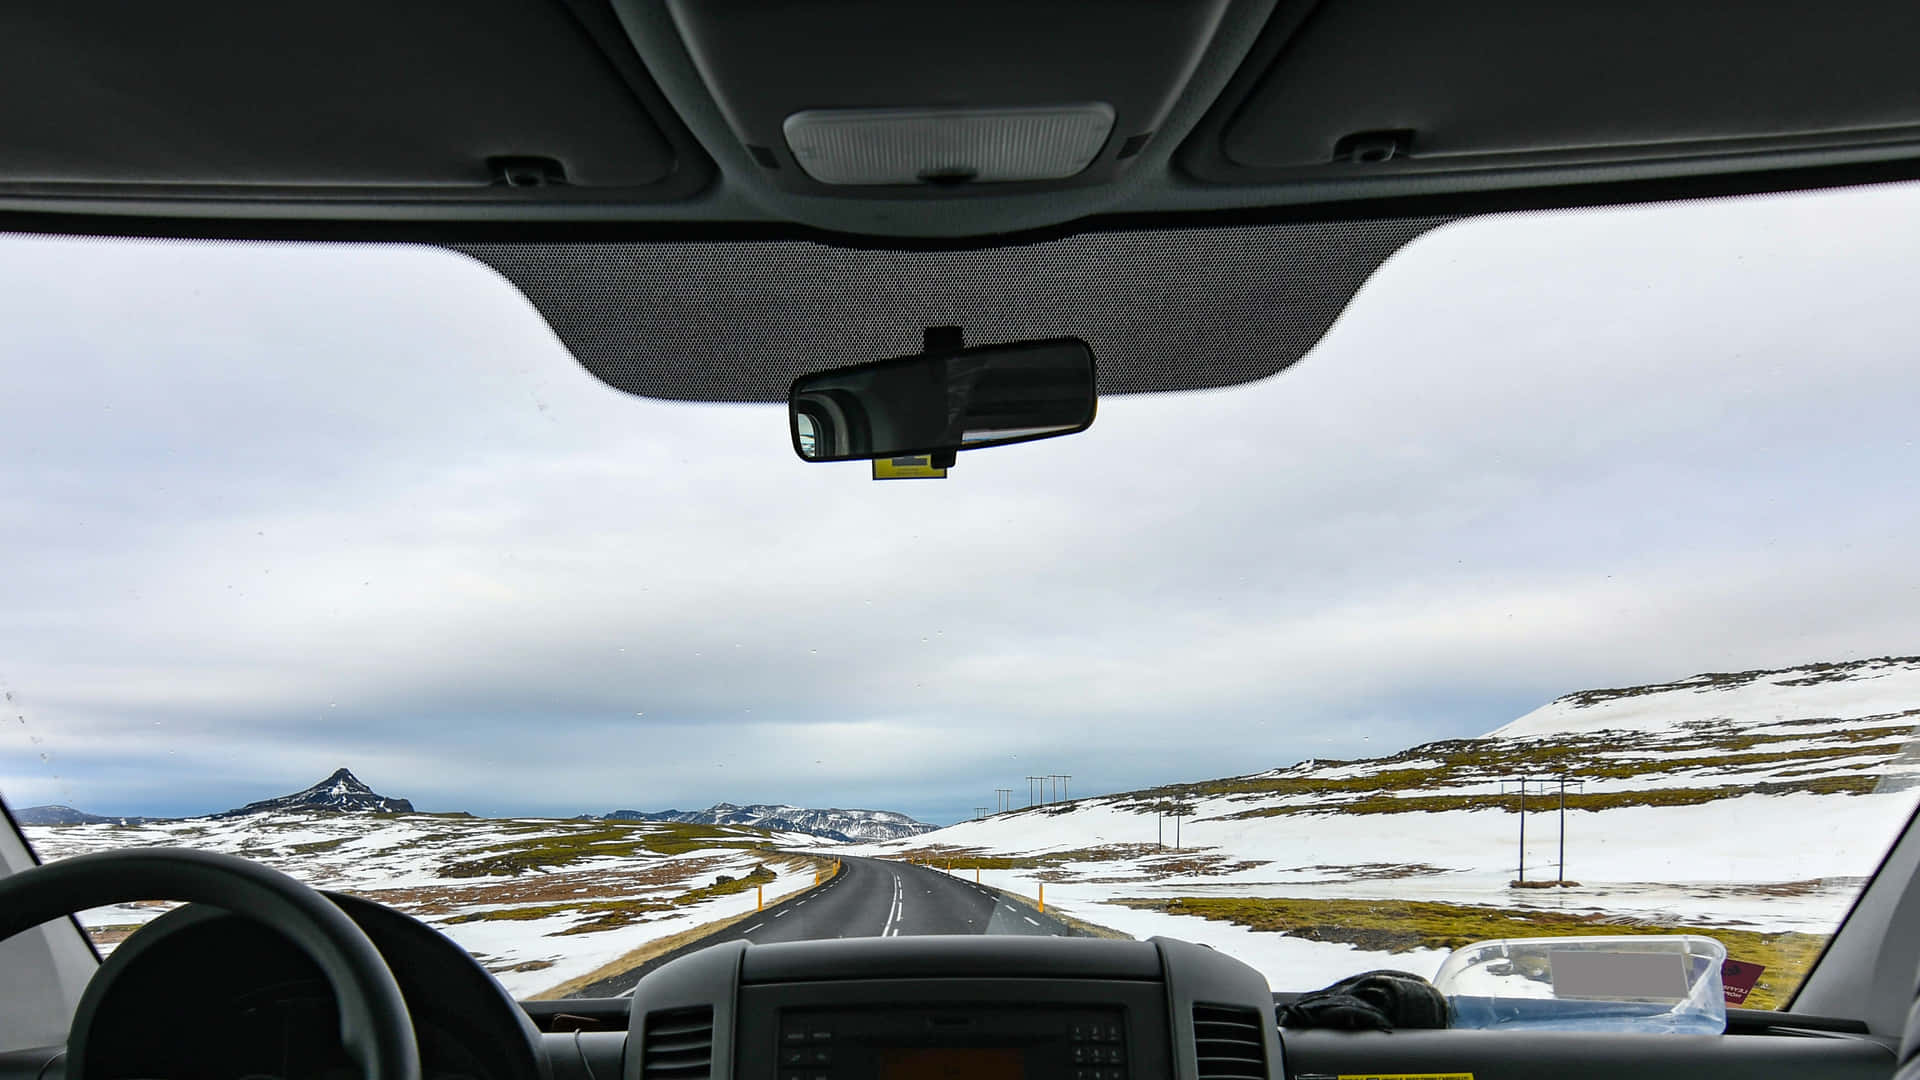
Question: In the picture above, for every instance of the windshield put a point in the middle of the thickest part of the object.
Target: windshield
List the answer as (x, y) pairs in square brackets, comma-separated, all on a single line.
[(1566, 587)]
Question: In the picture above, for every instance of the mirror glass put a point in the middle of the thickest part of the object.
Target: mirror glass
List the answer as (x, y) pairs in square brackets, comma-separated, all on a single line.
[(940, 402)]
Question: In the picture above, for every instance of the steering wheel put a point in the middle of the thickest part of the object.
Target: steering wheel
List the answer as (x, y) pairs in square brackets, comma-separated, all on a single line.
[(374, 1025)]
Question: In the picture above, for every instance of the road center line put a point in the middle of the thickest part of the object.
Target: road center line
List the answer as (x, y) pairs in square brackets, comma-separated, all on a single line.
[(1030, 920), (752, 928)]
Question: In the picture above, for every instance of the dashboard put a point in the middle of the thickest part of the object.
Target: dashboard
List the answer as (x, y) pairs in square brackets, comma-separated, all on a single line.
[(943, 1008), (205, 995)]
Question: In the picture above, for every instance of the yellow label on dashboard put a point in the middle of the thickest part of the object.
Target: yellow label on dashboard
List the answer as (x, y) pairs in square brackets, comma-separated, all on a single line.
[(1406, 1076)]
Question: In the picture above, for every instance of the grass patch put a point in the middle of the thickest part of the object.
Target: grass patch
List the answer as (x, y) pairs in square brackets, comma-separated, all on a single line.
[(1607, 800), (759, 876), (942, 859), (560, 848), (1400, 926), (1701, 745), (678, 838), (315, 847), (551, 849), (613, 914), (582, 907)]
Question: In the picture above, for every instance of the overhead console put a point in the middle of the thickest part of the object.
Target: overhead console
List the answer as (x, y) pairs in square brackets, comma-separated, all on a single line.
[(571, 120), (1386, 90), (858, 99)]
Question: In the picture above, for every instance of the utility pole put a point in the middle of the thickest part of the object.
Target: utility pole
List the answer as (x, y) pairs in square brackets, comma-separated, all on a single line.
[(1002, 798), (1581, 784), (1033, 786), (1521, 785), (1060, 788), (979, 812)]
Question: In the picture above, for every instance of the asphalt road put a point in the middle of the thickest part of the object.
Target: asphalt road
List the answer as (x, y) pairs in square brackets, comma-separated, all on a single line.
[(869, 898)]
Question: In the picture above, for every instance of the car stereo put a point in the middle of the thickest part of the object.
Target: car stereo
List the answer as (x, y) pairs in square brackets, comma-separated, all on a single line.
[(979, 1041)]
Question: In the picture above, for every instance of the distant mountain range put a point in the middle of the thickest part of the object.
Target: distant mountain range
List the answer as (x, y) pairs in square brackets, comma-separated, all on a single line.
[(344, 793), (340, 793), (67, 815), (847, 826)]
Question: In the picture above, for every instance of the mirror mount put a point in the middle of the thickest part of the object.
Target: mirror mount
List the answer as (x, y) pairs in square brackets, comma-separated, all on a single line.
[(935, 340), (942, 339)]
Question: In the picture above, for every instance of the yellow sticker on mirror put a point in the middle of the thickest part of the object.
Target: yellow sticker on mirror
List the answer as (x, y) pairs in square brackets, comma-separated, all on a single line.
[(918, 467)]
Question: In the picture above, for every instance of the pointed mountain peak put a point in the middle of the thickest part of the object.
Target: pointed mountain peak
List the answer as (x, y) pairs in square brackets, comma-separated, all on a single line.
[(341, 792)]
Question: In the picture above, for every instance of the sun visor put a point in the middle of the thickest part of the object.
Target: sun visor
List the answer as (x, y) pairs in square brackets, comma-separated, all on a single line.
[(232, 98), (1162, 309), (1402, 89)]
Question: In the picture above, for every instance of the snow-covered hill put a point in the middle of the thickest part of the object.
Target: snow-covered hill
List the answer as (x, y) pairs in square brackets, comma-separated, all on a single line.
[(340, 793), (831, 824), (1751, 802), (538, 900)]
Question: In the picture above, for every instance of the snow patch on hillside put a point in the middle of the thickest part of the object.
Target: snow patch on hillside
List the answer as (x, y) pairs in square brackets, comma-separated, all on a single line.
[(1756, 800), (452, 871)]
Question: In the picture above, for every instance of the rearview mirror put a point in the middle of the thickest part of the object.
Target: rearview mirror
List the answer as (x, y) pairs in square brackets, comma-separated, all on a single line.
[(941, 402)]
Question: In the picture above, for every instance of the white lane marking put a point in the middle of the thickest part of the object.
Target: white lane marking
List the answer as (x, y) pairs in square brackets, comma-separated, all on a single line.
[(748, 930), (1030, 922), (888, 928), (802, 903), (782, 915)]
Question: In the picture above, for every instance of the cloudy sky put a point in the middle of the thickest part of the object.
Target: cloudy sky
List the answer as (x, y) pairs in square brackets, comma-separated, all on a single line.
[(274, 509)]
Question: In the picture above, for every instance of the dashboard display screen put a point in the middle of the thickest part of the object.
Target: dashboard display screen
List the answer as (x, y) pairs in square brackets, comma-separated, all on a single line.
[(952, 1063)]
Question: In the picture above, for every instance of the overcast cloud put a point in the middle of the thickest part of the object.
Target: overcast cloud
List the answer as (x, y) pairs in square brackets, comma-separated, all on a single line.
[(274, 509)]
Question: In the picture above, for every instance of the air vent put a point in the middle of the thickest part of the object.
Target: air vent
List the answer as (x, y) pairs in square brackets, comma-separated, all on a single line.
[(678, 1045), (1229, 1043)]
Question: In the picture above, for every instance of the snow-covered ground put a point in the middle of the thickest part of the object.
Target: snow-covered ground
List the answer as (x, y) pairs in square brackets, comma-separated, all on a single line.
[(1751, 802), (449, 871), (1755, 800)]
